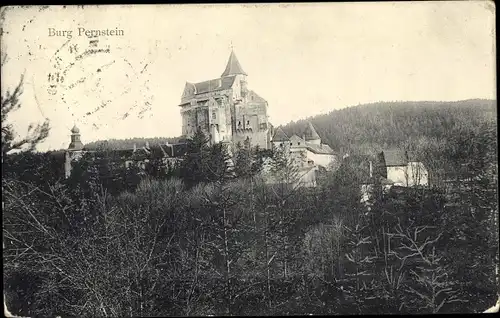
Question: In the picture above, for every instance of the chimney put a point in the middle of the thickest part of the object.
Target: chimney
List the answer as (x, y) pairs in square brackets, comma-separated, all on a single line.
[(371, 169)]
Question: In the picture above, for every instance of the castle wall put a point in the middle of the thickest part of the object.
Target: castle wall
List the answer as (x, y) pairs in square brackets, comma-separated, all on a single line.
[(205, 110), (251, 115), (257, 138)]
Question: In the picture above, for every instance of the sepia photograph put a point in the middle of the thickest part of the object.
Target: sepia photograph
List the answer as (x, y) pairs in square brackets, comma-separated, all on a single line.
[(267, 159)]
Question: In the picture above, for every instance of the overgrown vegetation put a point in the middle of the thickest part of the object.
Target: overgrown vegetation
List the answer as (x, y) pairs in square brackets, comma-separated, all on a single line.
[(210, 237)]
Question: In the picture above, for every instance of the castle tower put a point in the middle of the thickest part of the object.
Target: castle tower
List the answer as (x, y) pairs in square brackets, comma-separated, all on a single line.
[(310, 134), (233, 67), (76, 143), (225, 109), (74, 151)]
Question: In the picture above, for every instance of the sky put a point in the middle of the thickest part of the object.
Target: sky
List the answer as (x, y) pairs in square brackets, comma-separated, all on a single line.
[(304, 59)]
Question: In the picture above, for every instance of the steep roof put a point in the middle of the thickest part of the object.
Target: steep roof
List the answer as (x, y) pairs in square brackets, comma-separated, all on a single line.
[(233, 67), (395, 157), (310, 133), (297, 139), (214, 85), (280, 135)]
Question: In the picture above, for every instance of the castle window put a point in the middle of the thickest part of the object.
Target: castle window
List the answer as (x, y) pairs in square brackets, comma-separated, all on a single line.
[(281, 144), (248, 122), (298, 144), (239, 123)]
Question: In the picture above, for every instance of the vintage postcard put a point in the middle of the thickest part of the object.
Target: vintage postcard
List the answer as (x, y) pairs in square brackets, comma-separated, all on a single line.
[(249, 159)]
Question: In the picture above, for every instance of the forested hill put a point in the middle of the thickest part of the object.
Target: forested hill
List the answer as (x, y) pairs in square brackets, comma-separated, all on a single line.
[(375, 125), (391, 124)]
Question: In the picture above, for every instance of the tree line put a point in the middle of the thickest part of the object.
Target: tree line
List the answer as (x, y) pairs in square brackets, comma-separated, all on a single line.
[(214, 238)]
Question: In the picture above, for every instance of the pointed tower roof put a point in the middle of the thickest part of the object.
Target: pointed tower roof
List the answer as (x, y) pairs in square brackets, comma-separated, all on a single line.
[(233, 67), (75, 130), (280, 135), (310, 133)]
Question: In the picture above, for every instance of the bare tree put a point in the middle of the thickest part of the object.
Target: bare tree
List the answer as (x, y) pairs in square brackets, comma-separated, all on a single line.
[(431, 285)]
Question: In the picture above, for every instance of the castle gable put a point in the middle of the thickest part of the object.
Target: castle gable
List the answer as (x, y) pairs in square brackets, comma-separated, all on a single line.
[(189, 90), (280, 135), (297, 141), (310, 133), (253, 97)]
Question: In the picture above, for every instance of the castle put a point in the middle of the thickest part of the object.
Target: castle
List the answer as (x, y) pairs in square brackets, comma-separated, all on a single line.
[(228, 112), (225, 109)]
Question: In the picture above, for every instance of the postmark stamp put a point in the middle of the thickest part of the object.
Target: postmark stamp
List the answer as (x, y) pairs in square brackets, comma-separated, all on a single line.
[(94, 82)]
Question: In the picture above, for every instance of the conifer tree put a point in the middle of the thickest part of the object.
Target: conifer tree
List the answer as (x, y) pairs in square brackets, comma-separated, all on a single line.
[(194, 168)]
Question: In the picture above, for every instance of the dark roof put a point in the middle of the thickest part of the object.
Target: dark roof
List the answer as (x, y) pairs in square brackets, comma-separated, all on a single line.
[(310, 133), (280, 135), (395, 157), (77, 145), (233, 66), (153, 152), (319, 149), (214, 85)]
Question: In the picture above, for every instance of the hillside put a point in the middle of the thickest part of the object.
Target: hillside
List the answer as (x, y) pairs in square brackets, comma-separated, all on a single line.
[(374, 125), (391, 124)]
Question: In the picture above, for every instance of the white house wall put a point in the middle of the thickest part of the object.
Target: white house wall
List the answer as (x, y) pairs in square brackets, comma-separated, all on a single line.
[(324, 160), (397, 175), (417, 174), (413, 174)]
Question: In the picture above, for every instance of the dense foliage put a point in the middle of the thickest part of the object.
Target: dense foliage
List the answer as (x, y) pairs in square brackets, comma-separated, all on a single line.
[(210, 237)]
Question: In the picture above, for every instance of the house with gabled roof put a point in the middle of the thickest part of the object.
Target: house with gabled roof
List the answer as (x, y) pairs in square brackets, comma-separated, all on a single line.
[(402, 168)]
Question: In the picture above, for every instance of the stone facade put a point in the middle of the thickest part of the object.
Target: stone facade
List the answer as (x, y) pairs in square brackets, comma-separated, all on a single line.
[(225, 109)]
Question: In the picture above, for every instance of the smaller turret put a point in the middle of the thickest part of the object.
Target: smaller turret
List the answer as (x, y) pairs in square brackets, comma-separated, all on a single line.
[(310, 134), (76, 143)]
